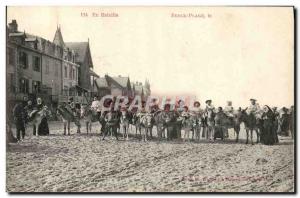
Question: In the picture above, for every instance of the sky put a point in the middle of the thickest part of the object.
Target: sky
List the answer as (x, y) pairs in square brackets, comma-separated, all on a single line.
[(218, 53)]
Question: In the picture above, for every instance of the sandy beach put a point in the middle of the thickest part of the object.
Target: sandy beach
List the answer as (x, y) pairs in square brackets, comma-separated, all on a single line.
[(85, 163)]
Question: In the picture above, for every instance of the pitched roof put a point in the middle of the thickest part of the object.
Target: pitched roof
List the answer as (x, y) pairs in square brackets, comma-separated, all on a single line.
[(123, 81), (80, 48), (58, 39), (101, 82)]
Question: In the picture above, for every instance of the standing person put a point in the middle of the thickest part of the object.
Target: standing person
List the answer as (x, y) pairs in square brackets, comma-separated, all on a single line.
[(43, 127), (220, 125), (111, 119), (178, 124), (209, 119), (276, 123), (197, 114), (71, 107), (186, 123), (20, 117), (229, 112), (29, 108), (284, 122), (268, 135)]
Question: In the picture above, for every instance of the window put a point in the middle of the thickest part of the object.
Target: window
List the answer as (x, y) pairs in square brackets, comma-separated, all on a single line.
[(70, 72), (36, 86), (12, 83), (66, 90), (47, 67), (24, 85), (23, 60), (76, 74), (73, 74), (56, 69), (11, 56), (66, 72), (36, 64), (35, 45)]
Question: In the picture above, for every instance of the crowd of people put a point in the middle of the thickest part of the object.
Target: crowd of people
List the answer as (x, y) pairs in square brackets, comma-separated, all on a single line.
[(273, 120)]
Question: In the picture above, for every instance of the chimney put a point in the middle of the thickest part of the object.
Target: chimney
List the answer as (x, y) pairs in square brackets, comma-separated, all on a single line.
[(13, 26)]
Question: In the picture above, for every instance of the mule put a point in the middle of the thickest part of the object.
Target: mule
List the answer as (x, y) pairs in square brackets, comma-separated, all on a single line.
[(251, 124), (210, 124), (124, 124), (111, 126), (171, 121), (159, 122), (36, 117), (68, 117), (197, 125), (89, 116), (146, 122)]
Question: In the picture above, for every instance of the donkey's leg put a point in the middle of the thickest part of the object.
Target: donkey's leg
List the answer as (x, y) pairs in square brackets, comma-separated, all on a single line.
[(247, 134), (87, 127), (237, 135), (68, 125), (150, 130), (146, 134), (90, 126), (208, 133), (251, 136), (257, 135), (127, 131), (65, 127), (193, 134)]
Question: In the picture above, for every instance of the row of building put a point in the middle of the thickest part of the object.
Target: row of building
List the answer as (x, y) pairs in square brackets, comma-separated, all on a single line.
[(57, 70)]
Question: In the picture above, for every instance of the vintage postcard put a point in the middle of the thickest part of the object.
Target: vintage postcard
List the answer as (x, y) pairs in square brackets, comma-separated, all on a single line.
[(150, 99)]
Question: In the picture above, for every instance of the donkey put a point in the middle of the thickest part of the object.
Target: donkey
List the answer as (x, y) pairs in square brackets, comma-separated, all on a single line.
[(159, 122), (36, 116), (251, 124), (89, 116), (197, 125), (210, 124), (146, 122), (170, 120), (124, 123), (67, 118)]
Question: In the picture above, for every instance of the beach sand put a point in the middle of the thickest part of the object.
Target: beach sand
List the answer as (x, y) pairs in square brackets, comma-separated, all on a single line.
[(85, 163)]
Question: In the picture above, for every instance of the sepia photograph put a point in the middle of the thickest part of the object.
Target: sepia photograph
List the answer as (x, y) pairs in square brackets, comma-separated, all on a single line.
[(150, 99)]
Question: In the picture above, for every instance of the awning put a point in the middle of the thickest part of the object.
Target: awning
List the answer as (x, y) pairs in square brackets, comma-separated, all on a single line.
[(77, 87), (94, 74)]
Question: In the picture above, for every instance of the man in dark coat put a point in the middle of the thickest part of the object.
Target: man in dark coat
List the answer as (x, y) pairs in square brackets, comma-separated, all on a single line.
[(20, 117), (29, 108)]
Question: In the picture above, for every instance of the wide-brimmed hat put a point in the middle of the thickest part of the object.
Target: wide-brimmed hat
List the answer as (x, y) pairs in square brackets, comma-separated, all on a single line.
[(207, 101), (197, 102)]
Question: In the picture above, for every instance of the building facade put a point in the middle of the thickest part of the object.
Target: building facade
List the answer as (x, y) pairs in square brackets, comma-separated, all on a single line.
[(54, 71), (26, 55)]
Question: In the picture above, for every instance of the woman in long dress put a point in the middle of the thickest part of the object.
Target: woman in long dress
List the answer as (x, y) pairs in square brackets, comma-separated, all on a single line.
[(43, 128), (268, 135)]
